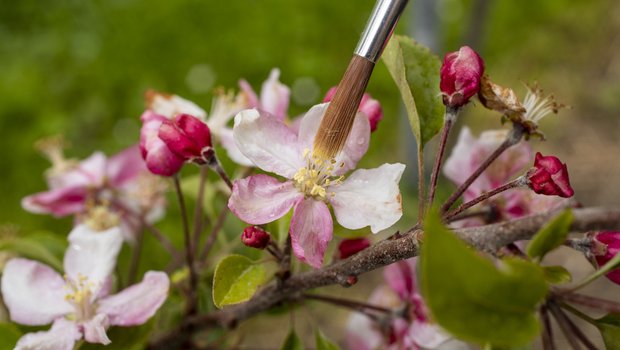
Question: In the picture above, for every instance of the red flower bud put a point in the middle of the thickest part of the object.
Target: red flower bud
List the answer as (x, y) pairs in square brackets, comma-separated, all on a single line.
[(460, 76), (255, 237), (349, 247), (369, 106), (160, 160), (549, 176), (186, 136), (612, 241)]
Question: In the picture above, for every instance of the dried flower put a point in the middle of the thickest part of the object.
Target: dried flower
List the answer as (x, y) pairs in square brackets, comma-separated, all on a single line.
[(549, 176), (460, 76)]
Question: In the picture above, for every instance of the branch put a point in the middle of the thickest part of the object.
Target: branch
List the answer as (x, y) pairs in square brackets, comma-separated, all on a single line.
[(402, 246)]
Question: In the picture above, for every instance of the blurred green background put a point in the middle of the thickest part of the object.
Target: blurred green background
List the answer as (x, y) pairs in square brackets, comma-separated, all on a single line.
[(80, 69)]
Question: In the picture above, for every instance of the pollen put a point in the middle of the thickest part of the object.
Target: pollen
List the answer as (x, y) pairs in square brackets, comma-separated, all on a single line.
[(314, 179)]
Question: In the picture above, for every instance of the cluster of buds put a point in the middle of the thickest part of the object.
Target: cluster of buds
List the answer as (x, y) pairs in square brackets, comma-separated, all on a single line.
[(460, 76)]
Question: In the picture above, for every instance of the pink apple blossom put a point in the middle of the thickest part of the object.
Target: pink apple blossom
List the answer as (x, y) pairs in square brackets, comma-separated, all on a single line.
[(78, 305), (470, 152), (411, 331), (274, 96), (364, 198), (121, 182)]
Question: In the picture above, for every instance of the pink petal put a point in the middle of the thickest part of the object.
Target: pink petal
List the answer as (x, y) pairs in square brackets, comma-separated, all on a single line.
[(275, 96), (95, 329), (62, 336), (357, 142), (159, 158), (58, 202), (92, 254), (427, 335), (267, 142), (136, 304), (362, 334), (91, 172), (33, 292), (227, 141), (369, 198), (125, 166), (259, 199), (171, 105), (311, 229), (249, 93), (400, 277)]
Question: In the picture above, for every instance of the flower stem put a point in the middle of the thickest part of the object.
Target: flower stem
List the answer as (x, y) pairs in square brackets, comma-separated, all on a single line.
[(198, 221), (518, 182), (214, 163), (351, 304), (513, 138), (135, 258), (165, 242), (578, 313), (189, 254), (547, 334), (421, 199), (585, 300), (450, 119), (217, 227), (568, 327)]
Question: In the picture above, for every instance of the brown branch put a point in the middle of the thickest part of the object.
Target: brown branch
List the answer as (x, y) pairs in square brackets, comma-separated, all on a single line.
[(486, 238)]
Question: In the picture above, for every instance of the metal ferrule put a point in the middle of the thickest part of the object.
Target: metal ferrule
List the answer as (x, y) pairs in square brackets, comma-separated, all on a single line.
[(379, 28)]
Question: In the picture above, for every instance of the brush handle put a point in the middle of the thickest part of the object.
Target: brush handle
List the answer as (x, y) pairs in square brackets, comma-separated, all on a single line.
[(380, 26)]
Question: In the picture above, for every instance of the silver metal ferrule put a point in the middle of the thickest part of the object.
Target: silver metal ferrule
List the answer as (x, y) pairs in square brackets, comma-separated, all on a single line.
[(382, 21)]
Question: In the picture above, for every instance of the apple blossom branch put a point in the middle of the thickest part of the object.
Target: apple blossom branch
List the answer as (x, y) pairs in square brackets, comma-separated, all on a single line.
[(487, 238)]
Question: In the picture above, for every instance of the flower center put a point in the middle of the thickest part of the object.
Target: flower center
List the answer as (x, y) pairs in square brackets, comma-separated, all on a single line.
[(80, 293), (314, 179)]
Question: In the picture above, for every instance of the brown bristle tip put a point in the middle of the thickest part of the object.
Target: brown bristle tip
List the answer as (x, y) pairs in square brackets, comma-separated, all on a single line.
[(338, 120)]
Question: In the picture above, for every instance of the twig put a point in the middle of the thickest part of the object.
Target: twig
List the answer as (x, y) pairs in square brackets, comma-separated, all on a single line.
[(596, 303), (513, 138), (351, 304), (165, 242), (135, 258), (219, 223), (198, 221), (450, 118), (421, 198), (189, 254)]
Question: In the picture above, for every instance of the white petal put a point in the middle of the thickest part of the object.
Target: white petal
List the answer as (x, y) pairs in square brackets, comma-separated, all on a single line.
[(268, 143), (228, 142), (33, 292), (427, 335), (171, 105), (369, 198), (62, 336), (92, 254), (274, 96), (95, 329)]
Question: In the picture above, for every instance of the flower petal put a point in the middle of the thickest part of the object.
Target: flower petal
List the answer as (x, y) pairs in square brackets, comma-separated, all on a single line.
[(33, 292), (311, 229), (136, 304), (92, 254), (427, 335), (171, 105), (274, 96), (159, 158), (400, 277), (95, 329), (125, 166), (357, 142), (227, 141), (259, 199), (62, 336), (58, 202), (267, 142), (369, 198)]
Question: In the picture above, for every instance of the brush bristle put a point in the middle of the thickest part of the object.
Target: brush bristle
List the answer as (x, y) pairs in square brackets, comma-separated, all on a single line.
[(338, 120)]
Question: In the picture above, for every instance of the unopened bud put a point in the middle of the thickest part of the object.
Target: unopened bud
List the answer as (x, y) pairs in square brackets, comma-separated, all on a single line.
[(349, 247), (549, 176), (460, 76), (255, 237), (368, 105), (186, 136), (611, 240)]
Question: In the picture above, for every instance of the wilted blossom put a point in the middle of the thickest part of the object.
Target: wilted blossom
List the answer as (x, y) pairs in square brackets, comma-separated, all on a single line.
[(409, 329), (120, 183), (255, 237), (186, 136), (470, 152), (549, 176), (368, 105), (348, 247), (78, 305), (460, 76), (364, 198), (611, 241)]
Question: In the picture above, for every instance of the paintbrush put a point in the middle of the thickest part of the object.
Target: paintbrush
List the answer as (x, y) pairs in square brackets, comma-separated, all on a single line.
[(340, 114)]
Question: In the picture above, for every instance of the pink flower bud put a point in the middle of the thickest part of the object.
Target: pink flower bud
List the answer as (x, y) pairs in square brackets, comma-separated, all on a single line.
[(460, 76), (186, 136), (611, 240), (369, 106), (549, 176), (255, 237), (160, 160), (349, 247)]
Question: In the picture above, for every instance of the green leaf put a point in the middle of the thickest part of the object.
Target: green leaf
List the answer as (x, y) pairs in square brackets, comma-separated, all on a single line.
[(236, 279), (34, 247), (322, 343), (9, 334), (557, 274), (610, 330), (292, 342), (551, 236), (468, 295), (415, 71)]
